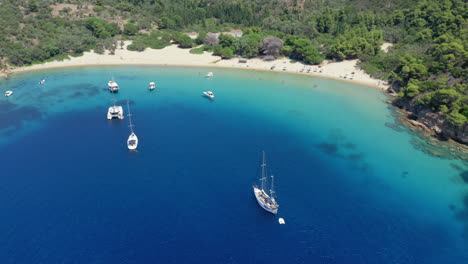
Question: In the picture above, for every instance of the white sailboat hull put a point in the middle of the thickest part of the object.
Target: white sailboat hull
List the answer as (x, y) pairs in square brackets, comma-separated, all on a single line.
[(258, 195), (132, 141)]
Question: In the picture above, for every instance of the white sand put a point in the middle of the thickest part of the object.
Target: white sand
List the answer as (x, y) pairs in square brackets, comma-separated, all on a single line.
[(174, 56), (386, 46)]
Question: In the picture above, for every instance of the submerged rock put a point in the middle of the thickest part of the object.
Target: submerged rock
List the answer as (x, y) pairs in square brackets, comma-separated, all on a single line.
[(394, 127), (464, 176)]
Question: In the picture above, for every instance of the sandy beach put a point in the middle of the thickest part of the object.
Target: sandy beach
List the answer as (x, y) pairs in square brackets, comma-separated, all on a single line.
[(174, 56)]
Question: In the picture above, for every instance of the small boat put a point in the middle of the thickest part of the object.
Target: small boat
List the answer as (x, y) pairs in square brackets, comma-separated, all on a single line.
[(265, 200), (152, 85), (281, 221), (8, 93), (115, 111), (113, 86), (209, 94), (210, 74), (132, 141), (42, 81)]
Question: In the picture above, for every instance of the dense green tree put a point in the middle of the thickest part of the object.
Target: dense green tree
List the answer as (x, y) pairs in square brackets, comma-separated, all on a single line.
[(185, 41), (100, 28), (130, 29), (303, 50), (166, 22), (456, 118), (411, 68), (226, 40), (218, 50), (226, 53), (33, 6), (412, 89), (248, 45), (326, 21), (200, 38)]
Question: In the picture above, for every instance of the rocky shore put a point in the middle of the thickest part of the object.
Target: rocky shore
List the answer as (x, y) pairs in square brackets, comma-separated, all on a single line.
[(438, 136)]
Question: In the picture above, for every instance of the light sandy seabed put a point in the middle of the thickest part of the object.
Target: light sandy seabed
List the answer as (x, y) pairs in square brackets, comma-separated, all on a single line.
[(174, 56)]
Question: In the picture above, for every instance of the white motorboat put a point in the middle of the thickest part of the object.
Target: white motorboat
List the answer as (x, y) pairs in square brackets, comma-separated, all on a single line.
[(132, 141), (210, 74), (209, 94), (281, 221), (8, 93), (42, 81), (113, 86), (115, 111), (152, 86)]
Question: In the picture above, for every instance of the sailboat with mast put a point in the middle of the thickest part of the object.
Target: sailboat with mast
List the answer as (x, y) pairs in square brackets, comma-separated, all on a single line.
[(266, 200), (132, 141)]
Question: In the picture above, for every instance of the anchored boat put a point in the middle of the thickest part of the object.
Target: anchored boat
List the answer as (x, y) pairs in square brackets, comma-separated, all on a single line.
[(115, 111), (209, 94), (132, 141), (152, 86), (113, 86), (264, 198)]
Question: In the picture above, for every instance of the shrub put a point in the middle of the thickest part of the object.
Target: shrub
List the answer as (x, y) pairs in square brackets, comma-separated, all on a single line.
[(98, 9), (136, 46), (198, 50), (456, 118), (130, 29)]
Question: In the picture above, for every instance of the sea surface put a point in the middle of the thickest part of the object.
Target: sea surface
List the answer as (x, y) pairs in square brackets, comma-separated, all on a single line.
[(351, 187)]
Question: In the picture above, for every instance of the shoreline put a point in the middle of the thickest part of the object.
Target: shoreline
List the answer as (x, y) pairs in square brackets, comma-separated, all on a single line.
[(357, 82), (172, 56)]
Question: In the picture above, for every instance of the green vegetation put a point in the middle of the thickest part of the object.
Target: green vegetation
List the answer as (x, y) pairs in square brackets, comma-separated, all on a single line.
[(155, 40), (201, 49), (427, 64)]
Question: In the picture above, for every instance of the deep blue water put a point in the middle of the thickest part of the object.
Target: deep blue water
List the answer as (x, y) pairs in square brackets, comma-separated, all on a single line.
[(351, 189)]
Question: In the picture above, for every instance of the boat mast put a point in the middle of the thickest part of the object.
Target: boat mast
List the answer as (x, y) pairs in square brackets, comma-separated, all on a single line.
[(263, 169), (129, 117), (272, 190), (113, 99)]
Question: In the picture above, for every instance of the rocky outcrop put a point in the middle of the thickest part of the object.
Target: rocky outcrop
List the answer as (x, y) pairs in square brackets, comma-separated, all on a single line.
[(433, 122)]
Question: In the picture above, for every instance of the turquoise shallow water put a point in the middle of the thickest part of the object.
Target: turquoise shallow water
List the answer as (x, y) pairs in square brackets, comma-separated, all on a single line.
[(351, 189)]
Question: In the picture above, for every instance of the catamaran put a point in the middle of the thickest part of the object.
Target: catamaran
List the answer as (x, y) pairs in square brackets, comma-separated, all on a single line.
[(265, 200), (152, 85), (132, 141), (115, 111), (113, 86)]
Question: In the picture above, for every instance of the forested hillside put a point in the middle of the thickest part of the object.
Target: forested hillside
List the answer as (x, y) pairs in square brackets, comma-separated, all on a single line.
[(427, 64)]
